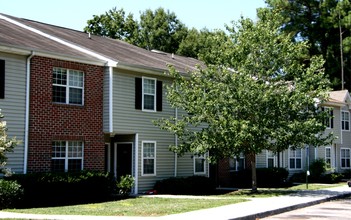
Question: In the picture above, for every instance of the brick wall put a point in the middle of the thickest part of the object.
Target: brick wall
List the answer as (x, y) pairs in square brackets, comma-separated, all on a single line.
[(50, 121)]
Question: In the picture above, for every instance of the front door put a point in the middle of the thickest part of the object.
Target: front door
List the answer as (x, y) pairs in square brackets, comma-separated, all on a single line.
[(124, 159)]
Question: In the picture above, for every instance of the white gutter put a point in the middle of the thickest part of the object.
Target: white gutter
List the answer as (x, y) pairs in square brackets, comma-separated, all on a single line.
[(83, 50), (26, 131), (136, 172)]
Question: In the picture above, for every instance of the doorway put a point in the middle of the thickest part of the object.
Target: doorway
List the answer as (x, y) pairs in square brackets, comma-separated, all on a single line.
[(124, 152)]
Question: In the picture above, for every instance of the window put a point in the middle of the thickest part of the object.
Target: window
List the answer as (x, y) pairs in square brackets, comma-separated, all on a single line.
[(271, 161), (328, 157), (329, 122), (345, 121), (345, 157), (199, 165), (68, 86), (2, 79), (149, 158), (148, 94), (295, 159), (237, 163), (67, 156)]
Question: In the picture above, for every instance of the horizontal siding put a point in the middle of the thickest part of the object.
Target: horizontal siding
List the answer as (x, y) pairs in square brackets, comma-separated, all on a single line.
[(127, 119), (13, 106), (106, 100)]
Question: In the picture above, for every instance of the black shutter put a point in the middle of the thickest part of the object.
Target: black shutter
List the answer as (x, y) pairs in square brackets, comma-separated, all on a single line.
[(138, 93), (159, 96), (2, 79)]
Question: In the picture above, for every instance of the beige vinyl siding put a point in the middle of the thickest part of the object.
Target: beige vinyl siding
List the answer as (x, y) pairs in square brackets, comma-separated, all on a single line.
[(13, 106), (128, 120), (261, 159), (106, 100)]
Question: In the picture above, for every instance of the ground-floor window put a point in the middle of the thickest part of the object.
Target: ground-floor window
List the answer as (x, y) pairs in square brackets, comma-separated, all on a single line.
[(149, 158), (199, 165), (295, 159), (67, 156), (345, 157), (271, 159), (237, 163)]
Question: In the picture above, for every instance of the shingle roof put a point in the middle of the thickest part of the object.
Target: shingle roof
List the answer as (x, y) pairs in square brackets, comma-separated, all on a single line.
[(117, 50), (339, 96), (17, 37)]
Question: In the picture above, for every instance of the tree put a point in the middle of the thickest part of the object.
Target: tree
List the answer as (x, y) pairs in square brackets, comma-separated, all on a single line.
[(114, 24), (160, 30), (6, 144), (318, 22), (258, 95)]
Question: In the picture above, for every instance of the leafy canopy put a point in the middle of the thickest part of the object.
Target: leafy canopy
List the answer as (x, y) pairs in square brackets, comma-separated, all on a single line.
[(255, 95)]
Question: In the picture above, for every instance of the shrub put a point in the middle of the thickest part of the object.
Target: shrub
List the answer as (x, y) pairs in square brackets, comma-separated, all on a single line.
[(10, 194), (317, 169), (64, 188), (125, 185), (193, 185), (331, 178), (266, 177)]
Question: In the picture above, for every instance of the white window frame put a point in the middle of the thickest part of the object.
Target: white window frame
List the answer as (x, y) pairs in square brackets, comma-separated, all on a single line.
[(201, 157), (328, 157), (348, 157), (237, 162), (292, 155), (343, 122), (67, 157), (153, 158), (330, 119), (150, 94), (68, 86), (271, 155)]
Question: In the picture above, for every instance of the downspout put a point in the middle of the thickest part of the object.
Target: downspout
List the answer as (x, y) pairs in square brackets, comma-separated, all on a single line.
[(26, 132), (176, 144), (110, 88)]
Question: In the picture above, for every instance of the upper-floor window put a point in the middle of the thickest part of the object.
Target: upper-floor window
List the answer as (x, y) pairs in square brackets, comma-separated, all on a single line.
[(67, 156), (345, 120), (295, 159), (148, 94), (199, 164), (328, 157), (329, 123), (68, 86), (149, 158), (2, 79), (345, 157), (271, 159)]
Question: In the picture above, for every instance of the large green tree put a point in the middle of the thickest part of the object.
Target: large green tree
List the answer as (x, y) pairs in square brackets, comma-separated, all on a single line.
[(321, 23), (159, 29), (256, 95), (6, 144)]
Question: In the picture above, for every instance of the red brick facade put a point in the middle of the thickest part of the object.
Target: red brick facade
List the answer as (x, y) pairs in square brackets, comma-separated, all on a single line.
[(53, 122)]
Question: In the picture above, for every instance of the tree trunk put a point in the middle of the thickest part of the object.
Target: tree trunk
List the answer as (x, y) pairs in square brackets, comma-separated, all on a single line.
[(253, 175)]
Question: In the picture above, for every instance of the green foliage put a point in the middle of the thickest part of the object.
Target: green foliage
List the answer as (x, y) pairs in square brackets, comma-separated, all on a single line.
[(11, 194), (193, 185), (64, 188), (6, 145), (318, 22), (266, 178), (125, 184), (317, 169)]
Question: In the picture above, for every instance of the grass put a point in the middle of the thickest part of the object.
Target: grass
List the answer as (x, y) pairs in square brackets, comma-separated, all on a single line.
[(151, 206)]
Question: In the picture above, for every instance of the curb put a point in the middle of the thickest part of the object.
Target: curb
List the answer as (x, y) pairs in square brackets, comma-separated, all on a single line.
[(291, 208)]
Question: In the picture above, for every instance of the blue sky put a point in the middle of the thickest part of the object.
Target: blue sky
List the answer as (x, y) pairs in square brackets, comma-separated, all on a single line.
[(75, 13)]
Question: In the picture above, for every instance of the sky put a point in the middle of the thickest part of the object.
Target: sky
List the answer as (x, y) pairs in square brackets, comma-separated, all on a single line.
[(74, 14)]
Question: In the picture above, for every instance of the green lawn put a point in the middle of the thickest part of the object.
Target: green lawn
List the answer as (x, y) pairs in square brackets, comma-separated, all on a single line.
[(150, 206)]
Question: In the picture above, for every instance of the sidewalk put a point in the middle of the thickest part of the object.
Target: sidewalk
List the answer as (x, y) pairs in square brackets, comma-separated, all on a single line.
[(253, 209)]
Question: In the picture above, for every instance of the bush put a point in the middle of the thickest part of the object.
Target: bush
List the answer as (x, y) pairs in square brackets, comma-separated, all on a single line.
[(10, 194), (52, 189), (317, 169), (193, 185), (125, 185), (266, 177), (331, 178)]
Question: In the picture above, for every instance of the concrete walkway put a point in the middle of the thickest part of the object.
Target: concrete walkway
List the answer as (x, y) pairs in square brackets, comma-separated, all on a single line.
[(253, 209)]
